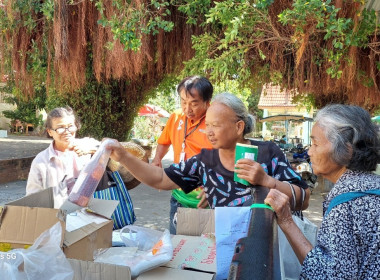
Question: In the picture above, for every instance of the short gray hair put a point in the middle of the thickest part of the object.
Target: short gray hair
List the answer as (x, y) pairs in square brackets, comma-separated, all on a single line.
[(233, 102), (355, 142)]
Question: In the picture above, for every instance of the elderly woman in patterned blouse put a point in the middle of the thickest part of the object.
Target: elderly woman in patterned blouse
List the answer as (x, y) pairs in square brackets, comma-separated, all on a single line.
[(227, 123), (345, 149)]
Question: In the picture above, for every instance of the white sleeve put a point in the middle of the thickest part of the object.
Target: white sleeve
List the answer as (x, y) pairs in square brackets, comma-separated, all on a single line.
[(35, 179)]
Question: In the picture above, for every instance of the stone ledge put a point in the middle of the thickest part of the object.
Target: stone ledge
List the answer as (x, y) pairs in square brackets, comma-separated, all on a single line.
[(15, 169)]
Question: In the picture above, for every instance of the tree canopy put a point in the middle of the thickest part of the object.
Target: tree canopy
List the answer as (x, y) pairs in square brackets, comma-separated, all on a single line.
[(106, 57)]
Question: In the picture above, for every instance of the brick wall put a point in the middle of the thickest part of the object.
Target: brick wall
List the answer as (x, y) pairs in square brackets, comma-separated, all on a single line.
[(14, 169)]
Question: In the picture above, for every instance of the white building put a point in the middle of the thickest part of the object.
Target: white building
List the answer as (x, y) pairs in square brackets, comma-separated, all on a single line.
[(275, 101)]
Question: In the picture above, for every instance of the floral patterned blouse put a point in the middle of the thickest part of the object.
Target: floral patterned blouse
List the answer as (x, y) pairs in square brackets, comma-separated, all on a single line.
[(348, 245), (219, 185)]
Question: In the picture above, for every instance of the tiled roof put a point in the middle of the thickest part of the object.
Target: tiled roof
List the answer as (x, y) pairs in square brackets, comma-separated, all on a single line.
[(272, 96)]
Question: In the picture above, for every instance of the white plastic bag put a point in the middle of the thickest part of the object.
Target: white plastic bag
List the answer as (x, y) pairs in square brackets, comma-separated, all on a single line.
[(140, 237), (90, 176), (146, 249), (44, 260), (290, 266)]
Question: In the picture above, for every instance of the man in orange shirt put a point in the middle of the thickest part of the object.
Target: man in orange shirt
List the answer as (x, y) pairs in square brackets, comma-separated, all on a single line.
[(186, 132)]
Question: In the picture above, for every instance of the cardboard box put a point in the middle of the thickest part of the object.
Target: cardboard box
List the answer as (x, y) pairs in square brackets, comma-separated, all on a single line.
[(194, 252), (23, 220), (195, 222), (87, 270), (185, 264), (191, 252), (166, 273)]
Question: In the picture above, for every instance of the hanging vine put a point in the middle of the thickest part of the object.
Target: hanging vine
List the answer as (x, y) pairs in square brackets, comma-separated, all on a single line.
[(118, 51), (323, 48)]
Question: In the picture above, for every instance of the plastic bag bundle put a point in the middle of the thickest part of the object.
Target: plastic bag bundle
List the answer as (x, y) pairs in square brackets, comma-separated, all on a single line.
[(44, 260), (290, 266), (145, 249), (140, 237), (90, 176)]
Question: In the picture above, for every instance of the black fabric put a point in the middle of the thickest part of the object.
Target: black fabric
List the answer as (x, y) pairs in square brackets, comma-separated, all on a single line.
[(106, 181)]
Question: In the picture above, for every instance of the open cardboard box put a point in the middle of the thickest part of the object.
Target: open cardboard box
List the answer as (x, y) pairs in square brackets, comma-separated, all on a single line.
[(185, 265), (193, 253), (87, 270), (195, 222), (23, 220)]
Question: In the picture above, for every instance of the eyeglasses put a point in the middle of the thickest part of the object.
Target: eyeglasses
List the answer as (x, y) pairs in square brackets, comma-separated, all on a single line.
[(61, 130)]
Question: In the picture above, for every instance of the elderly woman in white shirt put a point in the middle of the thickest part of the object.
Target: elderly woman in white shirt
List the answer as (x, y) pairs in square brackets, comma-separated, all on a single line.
[(59, 165)]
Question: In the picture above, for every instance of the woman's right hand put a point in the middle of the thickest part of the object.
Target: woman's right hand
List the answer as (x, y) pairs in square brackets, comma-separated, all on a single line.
[(84, 146), (280, 204)]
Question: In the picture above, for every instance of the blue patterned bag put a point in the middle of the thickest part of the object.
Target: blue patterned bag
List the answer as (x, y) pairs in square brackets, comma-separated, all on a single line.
[(124, 213)]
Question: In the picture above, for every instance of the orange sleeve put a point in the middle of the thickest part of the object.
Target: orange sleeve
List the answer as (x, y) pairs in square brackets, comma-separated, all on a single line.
[(164, 138)]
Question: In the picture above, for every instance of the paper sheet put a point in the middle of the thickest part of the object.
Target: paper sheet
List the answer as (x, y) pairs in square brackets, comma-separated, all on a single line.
[(81, 218), (231, 224)]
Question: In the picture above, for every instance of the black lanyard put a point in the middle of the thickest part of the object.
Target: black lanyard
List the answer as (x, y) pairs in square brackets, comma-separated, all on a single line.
[(184, 133)]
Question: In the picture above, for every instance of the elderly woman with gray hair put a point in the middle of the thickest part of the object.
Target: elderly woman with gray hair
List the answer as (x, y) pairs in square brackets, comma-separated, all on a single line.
[(227, 123), (345, 150)]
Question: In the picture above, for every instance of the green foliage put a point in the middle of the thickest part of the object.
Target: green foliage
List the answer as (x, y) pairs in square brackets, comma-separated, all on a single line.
[(222, 52), (102, 110), (165, 94), (24, 12), (238, 31), (377, 111), (47, 8), (128, 23), (232, 86), (26, 110), (263, 4), (169, 102), (233, 45), (148, 128), (193, 9), (304, 101), (322, 16)]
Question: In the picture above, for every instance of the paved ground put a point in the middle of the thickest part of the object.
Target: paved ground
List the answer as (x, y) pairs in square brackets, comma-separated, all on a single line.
[(20, 146), (151, 206)]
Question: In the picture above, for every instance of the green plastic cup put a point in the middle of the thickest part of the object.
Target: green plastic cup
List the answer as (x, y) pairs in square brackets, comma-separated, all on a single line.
[(244, 151)]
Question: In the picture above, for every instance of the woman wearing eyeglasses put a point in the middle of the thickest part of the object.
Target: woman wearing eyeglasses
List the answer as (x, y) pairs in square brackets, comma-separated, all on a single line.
[(59, 165)]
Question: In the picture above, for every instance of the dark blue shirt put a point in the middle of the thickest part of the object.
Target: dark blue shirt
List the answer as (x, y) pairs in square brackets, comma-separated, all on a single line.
[(205, 169)]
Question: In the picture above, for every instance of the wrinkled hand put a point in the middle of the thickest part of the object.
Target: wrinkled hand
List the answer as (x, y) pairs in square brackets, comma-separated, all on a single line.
[(117, 150), (156, 162), (251, 171), (280, 204), (203, 203)]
